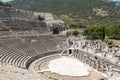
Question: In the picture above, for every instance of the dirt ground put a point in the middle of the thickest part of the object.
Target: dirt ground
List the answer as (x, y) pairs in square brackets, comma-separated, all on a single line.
[(94, 75)]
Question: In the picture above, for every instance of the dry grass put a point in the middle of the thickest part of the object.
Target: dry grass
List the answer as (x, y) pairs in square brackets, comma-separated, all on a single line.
[(116, 42)]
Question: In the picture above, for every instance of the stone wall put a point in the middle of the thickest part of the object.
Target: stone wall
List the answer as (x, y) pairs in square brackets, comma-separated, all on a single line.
[(101, 64), (40, 56)]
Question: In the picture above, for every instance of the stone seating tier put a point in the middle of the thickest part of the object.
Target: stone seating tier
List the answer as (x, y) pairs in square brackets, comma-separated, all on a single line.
[(19, 52)]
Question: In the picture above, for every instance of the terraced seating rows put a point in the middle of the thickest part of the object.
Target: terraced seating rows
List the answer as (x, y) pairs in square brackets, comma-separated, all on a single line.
[(49, 43), (61, 42), (21, 20), (12, 57), (26, 25), (8, 13), (17, 24), (14, 13), (19, 52), (3, 14)]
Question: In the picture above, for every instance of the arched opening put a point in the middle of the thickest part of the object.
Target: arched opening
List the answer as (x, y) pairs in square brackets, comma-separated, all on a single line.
[(70, 51)]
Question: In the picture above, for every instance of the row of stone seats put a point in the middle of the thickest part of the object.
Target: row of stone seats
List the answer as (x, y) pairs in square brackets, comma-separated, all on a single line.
[(38, 47), (3, 14), (21, 20), (17, 24), (61, 41), (49, 42), (43, 44), (13, 57), (11, 42), (29, 15), (19, 51), (26, 25), (13, 13), (30, 49), (39, 26)]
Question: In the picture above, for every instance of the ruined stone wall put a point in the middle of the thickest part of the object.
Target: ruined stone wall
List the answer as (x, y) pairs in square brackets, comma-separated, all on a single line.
[(101, 64), (40, 56)]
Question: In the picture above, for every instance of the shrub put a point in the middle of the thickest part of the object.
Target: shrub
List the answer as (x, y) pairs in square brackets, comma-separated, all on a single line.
[(5, 4), (108, 41), (55, 29), (75, 32)]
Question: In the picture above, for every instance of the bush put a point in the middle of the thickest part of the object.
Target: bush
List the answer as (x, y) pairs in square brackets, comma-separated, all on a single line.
[(77, 25), (40, 18), (88, 38), (5, 4), (55, 29), (74, 26), (113, 31), (108, 41), (75, 33)]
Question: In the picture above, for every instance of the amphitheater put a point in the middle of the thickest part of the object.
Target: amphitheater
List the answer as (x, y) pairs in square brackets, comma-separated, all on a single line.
[(29, 51)]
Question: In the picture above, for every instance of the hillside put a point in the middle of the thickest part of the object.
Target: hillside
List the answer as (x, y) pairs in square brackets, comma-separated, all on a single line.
[(90, 11)]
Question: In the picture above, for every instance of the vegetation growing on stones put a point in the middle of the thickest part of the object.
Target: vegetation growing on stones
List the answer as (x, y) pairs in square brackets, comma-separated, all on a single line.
[(55, 29), (5, 4), (75, 32)]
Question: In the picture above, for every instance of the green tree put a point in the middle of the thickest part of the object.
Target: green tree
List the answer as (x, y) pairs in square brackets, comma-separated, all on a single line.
[(103, 34), (113, 31), (95, 32)]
